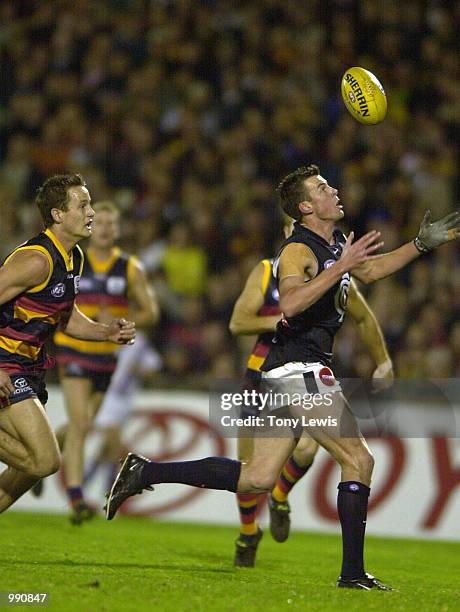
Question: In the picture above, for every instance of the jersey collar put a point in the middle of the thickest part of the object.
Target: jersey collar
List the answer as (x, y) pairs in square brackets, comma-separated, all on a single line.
[(336, 234), (68, 259)]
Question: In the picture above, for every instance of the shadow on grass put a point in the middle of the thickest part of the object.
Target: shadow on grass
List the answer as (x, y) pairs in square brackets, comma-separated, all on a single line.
[(143, 566)]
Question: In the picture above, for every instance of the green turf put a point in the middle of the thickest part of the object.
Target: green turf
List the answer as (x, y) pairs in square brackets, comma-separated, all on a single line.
[(139, 564)]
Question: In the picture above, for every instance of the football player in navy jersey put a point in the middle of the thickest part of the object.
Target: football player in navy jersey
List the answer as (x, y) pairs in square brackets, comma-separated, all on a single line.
[(313, 270), (38, 284), (257, 312)]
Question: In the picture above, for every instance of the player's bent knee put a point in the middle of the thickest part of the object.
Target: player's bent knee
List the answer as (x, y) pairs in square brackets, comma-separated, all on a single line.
[(262, 481), (45, 466)]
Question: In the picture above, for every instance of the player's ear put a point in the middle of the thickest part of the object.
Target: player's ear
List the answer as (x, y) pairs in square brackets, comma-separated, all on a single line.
[(306, 208), (57, 215)]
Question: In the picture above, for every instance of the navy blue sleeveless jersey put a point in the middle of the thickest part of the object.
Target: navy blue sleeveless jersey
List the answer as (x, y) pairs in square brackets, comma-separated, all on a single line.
[(309, 335)]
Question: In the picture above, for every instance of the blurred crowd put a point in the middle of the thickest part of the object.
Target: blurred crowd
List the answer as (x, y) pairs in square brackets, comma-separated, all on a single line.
[(187, 113)]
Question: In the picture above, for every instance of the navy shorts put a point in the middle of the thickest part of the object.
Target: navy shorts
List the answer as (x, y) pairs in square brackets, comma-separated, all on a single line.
[(100, 380), (27, 386)]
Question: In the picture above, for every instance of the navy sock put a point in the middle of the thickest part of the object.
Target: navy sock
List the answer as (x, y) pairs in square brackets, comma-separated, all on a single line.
[(352, 502), (75, 495), (209, 473)]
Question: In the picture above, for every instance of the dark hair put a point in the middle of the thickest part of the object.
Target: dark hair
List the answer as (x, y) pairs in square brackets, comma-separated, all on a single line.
[(291, 191), (53, 194)]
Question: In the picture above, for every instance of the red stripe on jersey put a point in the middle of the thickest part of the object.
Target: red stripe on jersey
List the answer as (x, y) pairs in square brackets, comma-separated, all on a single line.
[(260, 349), (32, 339), (43, 307), (101, 299), (268, 310), (90, 364)]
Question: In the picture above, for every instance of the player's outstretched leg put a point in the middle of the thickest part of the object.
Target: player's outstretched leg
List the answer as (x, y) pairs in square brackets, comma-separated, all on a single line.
[(293, 470), (138, 473), (220, 473)]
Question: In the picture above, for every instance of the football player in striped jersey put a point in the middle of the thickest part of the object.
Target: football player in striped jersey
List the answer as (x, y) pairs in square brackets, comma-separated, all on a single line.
[(38, 284), (113, 284)]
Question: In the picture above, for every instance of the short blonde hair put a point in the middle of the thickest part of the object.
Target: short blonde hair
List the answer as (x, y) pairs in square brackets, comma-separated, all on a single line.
[(107, 206)]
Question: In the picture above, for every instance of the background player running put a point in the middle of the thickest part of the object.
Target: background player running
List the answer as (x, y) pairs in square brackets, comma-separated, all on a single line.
[(113, 284), (257, 312), (134, 363), (313, 312), (38, 284)]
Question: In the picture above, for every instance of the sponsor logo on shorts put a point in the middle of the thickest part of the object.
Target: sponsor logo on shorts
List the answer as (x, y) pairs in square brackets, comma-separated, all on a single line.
[(58, 290), (21, 386), (328, 263), (327, 377), (354, 487)]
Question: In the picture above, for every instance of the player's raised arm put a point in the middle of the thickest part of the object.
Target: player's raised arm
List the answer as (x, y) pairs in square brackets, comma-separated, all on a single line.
[(372, 336), (430, 236), (145, 310), (25, 269), (82, 327), (297, 262), (244, 319)]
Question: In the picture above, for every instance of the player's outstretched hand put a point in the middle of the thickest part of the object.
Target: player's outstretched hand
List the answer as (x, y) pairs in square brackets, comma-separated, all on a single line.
[(121, 331), (356, 253), (434, 233), (383, 376), (6, 386)]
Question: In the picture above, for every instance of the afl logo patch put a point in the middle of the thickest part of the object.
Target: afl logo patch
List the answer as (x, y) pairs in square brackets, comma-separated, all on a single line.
[(328, 263), (276, 295), (58, 290), (327, 377), (76, 284)]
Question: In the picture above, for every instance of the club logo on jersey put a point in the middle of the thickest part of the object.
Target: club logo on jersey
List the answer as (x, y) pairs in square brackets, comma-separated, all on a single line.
[(76, 284), (116, 285), (327, 377), (328, 263), (58, 290)]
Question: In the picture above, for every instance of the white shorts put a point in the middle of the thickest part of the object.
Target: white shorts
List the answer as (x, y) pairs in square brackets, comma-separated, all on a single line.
[(134, 361), (296, 380)]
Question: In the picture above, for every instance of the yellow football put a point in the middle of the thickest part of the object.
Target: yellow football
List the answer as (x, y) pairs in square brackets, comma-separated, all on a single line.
[(364, 96)]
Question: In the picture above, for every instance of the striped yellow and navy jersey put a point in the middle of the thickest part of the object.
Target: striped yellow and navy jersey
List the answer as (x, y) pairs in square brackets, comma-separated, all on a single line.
[(269, 308), (29, 319), (105, 286)]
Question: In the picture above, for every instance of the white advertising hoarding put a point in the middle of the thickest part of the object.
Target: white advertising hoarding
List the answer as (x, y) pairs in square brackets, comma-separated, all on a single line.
[(415, 491)]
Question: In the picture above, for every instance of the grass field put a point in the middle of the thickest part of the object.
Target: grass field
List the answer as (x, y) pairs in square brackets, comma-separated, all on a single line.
[(139, 564)]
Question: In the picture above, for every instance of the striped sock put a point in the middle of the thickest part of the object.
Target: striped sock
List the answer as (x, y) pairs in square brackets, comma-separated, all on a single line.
[(75, 495), (291, 473), (247, 506)]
